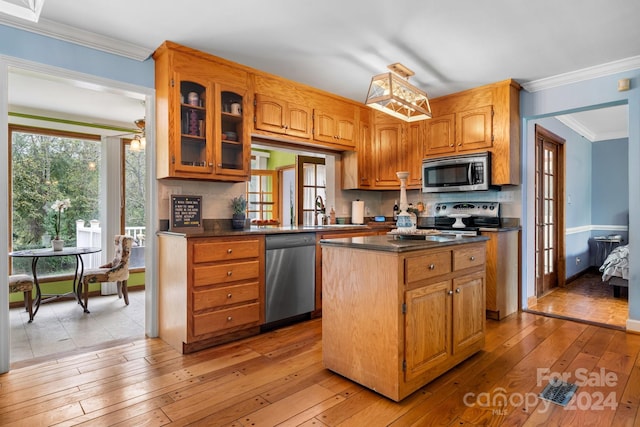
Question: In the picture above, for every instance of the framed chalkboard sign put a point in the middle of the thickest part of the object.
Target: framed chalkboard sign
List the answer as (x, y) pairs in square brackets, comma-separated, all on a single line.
[(186, 214)]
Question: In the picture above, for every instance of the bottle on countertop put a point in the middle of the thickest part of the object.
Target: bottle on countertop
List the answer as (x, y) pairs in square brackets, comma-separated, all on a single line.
[(332, 216), (396, 210)]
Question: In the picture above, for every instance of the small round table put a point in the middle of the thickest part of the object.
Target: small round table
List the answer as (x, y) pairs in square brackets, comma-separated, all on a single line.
[(36, 254)]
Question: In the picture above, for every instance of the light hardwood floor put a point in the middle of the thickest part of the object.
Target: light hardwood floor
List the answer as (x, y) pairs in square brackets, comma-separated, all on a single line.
[(587, 299), (277, 378)]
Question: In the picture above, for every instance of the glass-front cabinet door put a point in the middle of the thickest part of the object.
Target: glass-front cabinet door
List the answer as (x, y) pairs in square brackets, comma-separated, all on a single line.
[(193, 146), (232, 152)]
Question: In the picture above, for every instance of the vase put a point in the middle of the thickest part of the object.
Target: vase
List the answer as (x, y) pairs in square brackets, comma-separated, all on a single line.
[(238, 221), (57, 244)]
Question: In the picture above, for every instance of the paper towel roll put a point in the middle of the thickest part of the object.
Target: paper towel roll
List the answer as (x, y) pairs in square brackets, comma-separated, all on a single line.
[(357, 212)]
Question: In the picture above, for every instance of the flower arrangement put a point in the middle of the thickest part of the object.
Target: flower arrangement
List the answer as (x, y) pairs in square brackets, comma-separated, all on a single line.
[(58, 207)]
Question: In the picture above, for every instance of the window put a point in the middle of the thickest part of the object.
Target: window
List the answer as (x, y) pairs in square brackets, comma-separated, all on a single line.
[(262, 195), (133, 184), (46, 166), (311, 189)]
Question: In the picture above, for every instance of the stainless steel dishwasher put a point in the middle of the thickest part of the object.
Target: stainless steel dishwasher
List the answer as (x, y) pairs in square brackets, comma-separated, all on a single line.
[(290, 275)]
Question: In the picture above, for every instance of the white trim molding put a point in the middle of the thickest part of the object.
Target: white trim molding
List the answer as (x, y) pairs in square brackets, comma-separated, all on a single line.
[(80, 37), (633, 326), (593, 227), (589, 73)]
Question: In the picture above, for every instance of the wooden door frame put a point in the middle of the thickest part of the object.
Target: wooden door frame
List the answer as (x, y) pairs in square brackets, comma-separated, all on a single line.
[(300, 161), (560, 257)]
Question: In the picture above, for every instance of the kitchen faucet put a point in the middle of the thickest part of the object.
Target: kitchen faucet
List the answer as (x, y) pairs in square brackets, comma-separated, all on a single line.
[(318, 209)]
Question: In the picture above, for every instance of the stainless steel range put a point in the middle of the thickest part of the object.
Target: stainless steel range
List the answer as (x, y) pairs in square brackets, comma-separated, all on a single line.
[(466, 218)]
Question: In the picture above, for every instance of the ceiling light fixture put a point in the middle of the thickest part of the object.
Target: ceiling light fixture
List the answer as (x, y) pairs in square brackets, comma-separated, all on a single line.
[(139, 142), (24, 9), (392, 94)]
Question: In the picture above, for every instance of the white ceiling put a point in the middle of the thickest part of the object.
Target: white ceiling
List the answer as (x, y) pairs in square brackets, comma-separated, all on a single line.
[(338, 45)]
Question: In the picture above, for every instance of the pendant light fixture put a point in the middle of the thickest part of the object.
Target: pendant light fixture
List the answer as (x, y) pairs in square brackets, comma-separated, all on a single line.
[(139, 142), (392, 94)]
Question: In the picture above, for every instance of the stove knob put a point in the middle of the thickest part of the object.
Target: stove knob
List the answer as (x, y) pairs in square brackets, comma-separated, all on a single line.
[(492, 207), (484, 206)]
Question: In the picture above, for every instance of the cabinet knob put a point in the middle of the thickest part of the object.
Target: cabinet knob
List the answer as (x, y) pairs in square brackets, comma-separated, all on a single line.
[(450, 145), (229, 251), (219, 165), (229, 296), (210, 164), (450, 292), (472, 258), (457, 290), (459, 144), (229, 273), (229, 319), (432, 267)]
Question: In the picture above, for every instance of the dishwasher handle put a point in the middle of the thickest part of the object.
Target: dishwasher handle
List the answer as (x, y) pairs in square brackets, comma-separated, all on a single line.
[(292, 240)]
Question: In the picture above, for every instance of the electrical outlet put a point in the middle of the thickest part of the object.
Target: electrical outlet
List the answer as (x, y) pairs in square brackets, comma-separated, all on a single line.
[(578, 260)]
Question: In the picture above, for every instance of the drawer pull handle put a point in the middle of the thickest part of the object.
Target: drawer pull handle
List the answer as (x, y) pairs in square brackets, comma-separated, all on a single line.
[(450, 292), (229, 296), (229, 273), (457, 290), (472, 258), (432, 266), (229, 319), (229, 251)]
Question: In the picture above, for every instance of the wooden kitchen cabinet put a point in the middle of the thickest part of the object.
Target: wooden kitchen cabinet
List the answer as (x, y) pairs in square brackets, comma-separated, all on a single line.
[(211, 290), (198, 135), (503, 254), (394, 321), (389, 151), (486, 118), (460, 132), (333, 234), (334, 128), (283, 117), (357, 166)]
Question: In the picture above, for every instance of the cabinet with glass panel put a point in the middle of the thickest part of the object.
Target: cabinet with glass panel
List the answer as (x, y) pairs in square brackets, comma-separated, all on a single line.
[(201, 122)]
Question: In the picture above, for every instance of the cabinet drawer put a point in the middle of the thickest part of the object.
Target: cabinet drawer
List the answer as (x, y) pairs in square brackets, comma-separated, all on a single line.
[(427, 266), (225, 273), (468, 257), (227, 295), (224, 319), (225, 251)]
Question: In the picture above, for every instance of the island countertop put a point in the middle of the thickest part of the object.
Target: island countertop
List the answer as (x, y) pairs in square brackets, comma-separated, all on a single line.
[(397, 244)]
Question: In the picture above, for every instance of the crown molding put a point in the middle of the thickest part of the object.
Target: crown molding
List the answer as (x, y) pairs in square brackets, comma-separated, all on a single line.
[(576, 126), (596, 71), (80, 37)]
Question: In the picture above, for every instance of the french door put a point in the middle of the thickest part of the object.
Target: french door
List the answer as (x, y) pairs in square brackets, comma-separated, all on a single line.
[(549, 218)]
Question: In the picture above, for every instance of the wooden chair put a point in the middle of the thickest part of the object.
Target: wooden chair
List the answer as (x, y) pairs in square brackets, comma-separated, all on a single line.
[(115, 271), (23, 283)]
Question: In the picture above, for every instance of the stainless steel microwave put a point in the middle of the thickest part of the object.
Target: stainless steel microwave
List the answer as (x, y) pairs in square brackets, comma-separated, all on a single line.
[(468, 172)]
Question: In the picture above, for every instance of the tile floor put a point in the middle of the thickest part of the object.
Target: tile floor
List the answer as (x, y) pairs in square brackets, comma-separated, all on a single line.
[(62, 326)]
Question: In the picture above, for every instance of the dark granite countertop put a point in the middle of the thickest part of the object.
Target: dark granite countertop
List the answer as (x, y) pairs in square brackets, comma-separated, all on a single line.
[(398, 244), (220, 232)]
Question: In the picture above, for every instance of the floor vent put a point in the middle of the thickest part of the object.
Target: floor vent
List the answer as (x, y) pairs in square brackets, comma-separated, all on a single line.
[(559, 392)]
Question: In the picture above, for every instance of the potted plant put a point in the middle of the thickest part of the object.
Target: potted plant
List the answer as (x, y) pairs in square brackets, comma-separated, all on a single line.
[(239, 207), (58, 207)]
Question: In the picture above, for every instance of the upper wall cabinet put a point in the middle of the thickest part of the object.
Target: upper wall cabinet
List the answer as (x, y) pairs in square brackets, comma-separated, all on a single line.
[(334, 128), (486, 118), (202, 128), (460, 132), (283, 117)]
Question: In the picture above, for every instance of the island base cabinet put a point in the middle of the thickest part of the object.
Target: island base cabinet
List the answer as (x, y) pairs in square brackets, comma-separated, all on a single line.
[(387, 330)]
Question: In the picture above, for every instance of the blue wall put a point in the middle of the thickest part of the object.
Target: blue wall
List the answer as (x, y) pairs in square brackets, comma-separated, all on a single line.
[(33, 47), (586, 94), (611, 182)]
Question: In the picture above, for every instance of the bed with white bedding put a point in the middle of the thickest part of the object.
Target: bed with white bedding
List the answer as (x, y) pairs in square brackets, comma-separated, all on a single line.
[(615, 269)]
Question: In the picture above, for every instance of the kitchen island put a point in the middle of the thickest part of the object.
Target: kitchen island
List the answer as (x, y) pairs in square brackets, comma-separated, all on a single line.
[(398, 313)]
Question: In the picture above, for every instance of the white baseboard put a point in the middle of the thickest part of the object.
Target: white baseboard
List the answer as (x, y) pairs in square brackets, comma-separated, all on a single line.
[(633, 326)]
